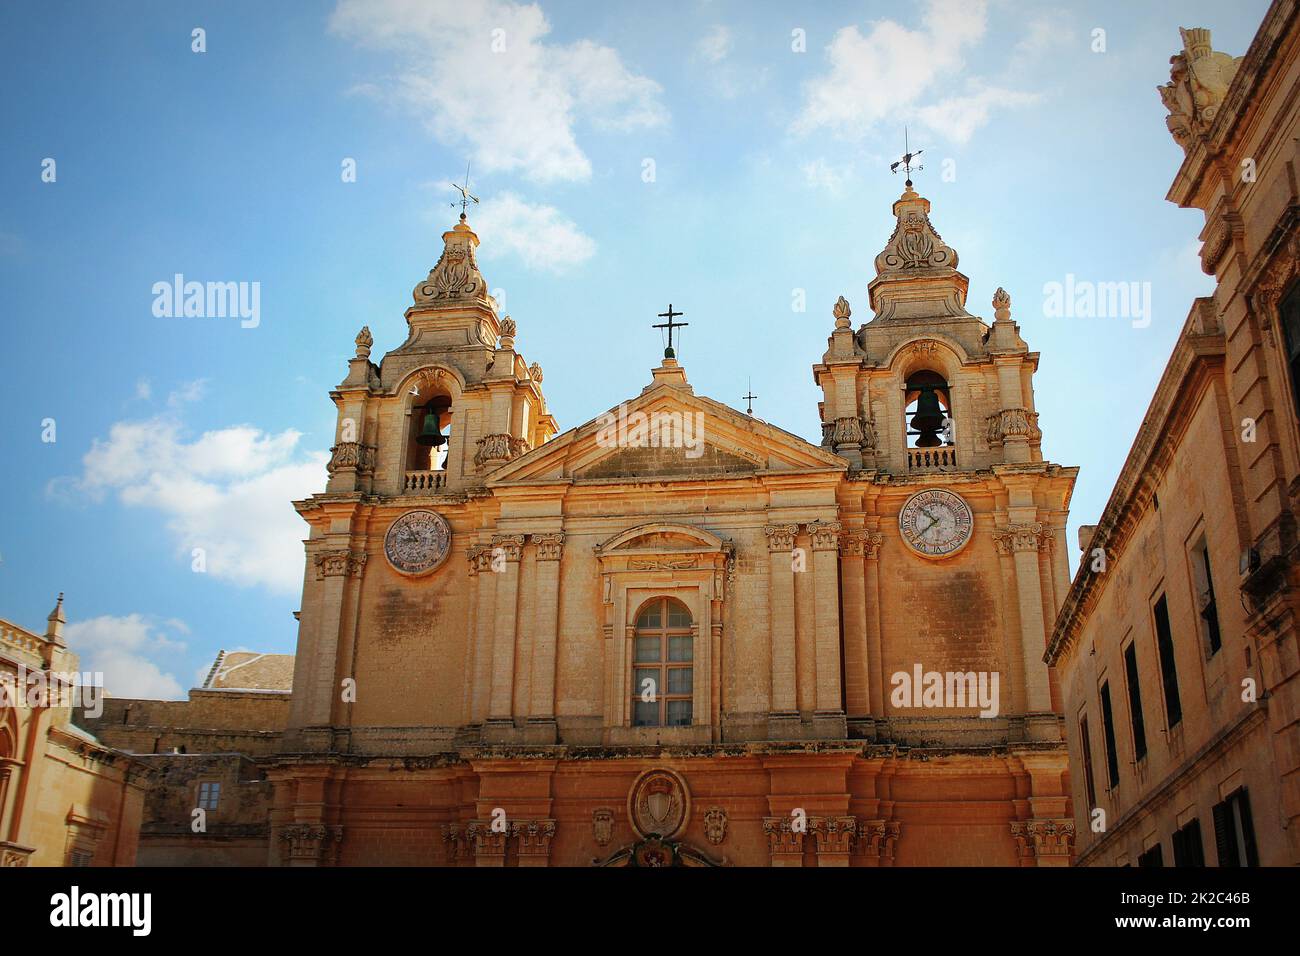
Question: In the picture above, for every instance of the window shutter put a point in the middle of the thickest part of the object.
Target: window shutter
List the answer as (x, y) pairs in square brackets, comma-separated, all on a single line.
[(1225, 839), (1247, 826)]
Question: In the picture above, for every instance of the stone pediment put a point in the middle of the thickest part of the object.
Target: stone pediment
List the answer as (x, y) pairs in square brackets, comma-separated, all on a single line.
[(667, 432)]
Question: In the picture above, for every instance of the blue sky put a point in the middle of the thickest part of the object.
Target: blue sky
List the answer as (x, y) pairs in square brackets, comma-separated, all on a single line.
[(770, 174)]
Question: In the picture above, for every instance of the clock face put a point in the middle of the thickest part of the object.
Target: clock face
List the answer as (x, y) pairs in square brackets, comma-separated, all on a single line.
[(418, 542), (935, 523)]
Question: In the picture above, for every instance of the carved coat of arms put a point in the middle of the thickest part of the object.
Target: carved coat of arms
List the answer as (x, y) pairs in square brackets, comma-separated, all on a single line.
[(658, 804)]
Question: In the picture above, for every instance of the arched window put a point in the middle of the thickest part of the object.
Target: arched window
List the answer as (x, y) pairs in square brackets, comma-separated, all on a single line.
[(430, 435), (663, 670), (928, 411)]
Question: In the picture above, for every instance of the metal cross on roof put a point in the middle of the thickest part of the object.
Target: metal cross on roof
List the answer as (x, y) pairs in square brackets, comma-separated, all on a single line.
[(670, 325)]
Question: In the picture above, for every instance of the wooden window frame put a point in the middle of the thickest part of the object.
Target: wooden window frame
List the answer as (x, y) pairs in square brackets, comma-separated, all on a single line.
[(663, 664)]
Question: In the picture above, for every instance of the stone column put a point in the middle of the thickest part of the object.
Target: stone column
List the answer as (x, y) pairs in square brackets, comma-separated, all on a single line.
[(534, 841), (333, 567), (780, 595), (541, 720), (784, 842), (829, 707), (485, 628), (835, 836), (857, 687), (487, 844), (1044, 842), (1022, 541), (875, 656), (507, 548), (876, 840)]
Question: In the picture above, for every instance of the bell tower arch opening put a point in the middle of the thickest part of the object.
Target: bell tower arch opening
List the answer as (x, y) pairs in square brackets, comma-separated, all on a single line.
[(927, 411), (429, 434)]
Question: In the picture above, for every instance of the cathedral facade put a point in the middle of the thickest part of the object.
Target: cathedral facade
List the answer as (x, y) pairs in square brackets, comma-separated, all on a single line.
[(676, 633)]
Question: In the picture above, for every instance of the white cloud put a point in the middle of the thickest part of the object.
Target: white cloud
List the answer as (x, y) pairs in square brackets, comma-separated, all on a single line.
[(188, 392), (819, 174), (538, 234), (958, 117), (1047, 31), (483, 74), (143, 390), (715, 45), (892, 73), (227, 492), (121, 648)]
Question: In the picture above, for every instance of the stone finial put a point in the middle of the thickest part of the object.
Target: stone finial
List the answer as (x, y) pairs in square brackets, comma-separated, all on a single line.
[(915, 243), (535, 372), (1001, 305), (1198, 82), (842, 313), (916, 272), (454, 280), (508, 331), (55, 622), (364, 340)]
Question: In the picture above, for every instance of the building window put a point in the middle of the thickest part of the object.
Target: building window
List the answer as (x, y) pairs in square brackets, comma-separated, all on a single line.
[(78, 856), (1168, 669), (1187, 845), (663, 670), (1135, 702), (1152, 857), (209, 795), (1205, 599), (1288, 312), (1234, 832), (1090, 788), (1108, 728), (928, 411)]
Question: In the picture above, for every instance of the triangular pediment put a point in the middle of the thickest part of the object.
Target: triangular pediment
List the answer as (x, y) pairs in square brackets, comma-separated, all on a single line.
[(667, 432)]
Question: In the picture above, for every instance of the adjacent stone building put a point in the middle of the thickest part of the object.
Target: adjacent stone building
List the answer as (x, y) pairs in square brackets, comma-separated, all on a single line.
[(209, 799), (1176, 646), (66, 798)]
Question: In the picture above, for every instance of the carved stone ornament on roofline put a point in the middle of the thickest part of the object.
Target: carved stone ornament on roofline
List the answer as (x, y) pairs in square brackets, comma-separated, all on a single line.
[(1198, 82), (915, 244), (455, 276)]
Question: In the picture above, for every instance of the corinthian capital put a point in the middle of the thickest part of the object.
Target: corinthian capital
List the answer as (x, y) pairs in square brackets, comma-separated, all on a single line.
[(780, 537), (825, 535), (1022, 537)]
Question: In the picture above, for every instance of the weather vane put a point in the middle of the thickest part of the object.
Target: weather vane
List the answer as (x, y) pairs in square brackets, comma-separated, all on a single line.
[(465, 196), (906, 161), (670, 325)]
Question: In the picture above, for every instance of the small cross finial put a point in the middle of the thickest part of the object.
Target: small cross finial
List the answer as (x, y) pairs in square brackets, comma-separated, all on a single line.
[(465, 196), (906, 161), (670, 325), (749, 409)]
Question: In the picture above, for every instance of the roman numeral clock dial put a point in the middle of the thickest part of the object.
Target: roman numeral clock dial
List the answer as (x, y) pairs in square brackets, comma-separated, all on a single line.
[(935, 523)]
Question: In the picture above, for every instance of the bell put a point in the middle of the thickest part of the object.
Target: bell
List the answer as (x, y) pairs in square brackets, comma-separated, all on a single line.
[(928, 418), (430, 435)]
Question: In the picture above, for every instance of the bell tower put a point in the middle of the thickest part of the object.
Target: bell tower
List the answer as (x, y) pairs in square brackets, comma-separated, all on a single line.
[(418, 432), (964, 562), (451, 402)]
